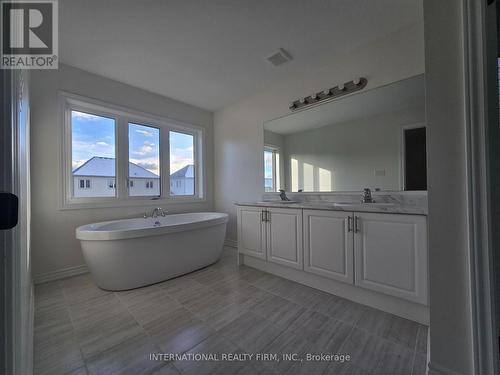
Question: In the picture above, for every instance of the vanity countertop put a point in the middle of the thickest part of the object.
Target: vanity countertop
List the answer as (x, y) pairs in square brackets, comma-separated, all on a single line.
[(350, 207)]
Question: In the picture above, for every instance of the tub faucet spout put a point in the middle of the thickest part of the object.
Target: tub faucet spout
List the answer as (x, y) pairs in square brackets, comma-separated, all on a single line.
[(158, 212)]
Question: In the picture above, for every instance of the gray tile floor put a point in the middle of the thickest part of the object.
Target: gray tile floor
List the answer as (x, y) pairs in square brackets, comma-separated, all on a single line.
[(81, 329)]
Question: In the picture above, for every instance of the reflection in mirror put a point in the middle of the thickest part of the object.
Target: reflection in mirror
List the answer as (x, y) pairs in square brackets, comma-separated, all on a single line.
[(373, 139), (272, 168)]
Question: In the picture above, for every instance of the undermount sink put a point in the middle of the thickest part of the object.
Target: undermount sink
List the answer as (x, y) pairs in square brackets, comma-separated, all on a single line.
[(373, 204)]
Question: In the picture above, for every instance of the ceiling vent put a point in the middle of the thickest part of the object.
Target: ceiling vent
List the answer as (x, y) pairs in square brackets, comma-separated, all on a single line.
[(279, 57)]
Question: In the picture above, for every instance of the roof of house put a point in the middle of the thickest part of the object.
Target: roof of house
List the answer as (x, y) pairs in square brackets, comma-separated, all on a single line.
[(187, 171), (105, 167)]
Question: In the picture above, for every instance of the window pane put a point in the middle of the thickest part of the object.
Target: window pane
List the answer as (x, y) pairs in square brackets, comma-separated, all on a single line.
[(144, 160), (93, 154), (181, 164), (268, 170)]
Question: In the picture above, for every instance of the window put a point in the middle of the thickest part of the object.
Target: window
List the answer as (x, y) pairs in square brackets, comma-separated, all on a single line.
[(84, 184), (182, 163), (117, 157), (272, 170), (144, 158), (93, 153)]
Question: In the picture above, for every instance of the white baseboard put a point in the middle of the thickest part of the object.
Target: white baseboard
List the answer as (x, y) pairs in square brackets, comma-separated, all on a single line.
[(435, 369), (60, 274), (230, 243)]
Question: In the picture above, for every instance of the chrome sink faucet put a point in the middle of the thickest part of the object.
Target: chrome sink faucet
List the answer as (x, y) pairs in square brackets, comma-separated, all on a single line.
[(283, 195), (367, 196)]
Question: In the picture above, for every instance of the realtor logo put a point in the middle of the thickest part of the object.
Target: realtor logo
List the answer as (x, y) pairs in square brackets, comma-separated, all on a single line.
[(29, 34)]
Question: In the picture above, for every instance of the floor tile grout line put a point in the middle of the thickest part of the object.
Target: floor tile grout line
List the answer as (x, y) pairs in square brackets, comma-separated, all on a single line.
[(133, 316), (73, 327), (340, 347), (150, 339), (111, 347)]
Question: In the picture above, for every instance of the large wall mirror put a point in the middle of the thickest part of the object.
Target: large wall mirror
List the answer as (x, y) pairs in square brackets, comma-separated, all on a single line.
[(374, 138)]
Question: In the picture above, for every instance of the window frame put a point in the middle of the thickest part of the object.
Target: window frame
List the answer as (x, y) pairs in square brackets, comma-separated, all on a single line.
[(123, 116)]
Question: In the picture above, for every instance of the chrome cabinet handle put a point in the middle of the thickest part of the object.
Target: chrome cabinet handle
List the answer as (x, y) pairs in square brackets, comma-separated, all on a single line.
[(268, 216), (349, 224), (262, 215), (356, 224)]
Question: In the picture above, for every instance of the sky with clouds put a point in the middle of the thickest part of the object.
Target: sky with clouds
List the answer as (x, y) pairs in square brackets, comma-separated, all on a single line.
[(268, 164), (95, 136)]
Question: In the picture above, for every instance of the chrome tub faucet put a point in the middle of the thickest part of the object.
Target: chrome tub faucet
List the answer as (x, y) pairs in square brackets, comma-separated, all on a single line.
[(158, 211)]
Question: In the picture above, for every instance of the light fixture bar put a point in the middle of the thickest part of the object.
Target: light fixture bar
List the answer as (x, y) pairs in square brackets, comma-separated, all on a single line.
[(329, 94)]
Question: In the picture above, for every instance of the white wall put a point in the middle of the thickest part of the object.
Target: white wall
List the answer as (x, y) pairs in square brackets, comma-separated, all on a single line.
[(344, 157), (450, 308), (53, 231), (238, 129)]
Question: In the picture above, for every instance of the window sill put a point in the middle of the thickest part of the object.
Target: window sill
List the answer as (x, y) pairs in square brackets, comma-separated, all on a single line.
[(132, 202)]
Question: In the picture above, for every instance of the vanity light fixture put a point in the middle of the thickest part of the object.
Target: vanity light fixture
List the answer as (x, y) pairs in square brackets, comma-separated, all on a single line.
[(331, 93)]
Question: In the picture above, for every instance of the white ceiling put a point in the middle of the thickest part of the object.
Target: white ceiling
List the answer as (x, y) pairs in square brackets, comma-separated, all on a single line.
[(210, 53)]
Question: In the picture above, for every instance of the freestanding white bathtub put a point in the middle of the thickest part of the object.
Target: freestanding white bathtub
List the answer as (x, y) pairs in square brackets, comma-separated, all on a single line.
[(127, 254)]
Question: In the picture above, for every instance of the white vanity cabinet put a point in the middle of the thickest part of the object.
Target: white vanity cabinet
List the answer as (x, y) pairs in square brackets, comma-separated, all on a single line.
[(380, 252), (273, 234), (390, 253), (328, 244)]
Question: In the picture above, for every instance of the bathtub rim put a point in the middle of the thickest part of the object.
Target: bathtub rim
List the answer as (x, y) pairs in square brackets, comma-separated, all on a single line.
[(84, 233)]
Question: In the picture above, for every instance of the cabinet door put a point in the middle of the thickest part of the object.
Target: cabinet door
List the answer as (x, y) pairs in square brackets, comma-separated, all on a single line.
[(391, 254), (328, 244), (284, 237), (251, 231)]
